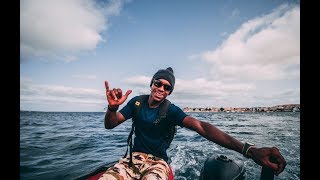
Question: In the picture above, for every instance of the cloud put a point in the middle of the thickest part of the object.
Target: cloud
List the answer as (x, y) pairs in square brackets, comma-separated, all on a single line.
[(206, 93), (58, 28), (138, 80), (251, 67), (85, 77), (32, 93), (289, 96), (204, 87), (140, 84), (264, 48), (209, 93), (201, 89), (202, 92), (248, 67)]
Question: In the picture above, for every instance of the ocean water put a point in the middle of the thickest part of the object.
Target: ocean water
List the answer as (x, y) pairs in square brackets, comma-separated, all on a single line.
[(66, 145)]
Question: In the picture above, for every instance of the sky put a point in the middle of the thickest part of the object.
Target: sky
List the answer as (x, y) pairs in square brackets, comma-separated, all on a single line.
[(233, 53)]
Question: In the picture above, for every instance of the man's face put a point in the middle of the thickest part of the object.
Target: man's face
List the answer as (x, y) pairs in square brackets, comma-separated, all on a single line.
[(160, 89)]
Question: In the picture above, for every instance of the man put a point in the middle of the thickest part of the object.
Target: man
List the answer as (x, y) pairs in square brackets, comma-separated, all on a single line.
[(149, 157)]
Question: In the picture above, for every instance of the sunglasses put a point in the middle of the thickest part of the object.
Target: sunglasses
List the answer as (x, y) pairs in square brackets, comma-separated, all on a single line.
[(159, 84)]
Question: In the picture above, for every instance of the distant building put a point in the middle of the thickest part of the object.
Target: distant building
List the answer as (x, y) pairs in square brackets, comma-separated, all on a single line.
[(277, 108)]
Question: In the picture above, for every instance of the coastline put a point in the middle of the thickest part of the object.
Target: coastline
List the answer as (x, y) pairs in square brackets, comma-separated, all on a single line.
[(277, 108)]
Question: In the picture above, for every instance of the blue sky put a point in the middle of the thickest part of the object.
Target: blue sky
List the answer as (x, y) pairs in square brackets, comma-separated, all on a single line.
[(224, 53)]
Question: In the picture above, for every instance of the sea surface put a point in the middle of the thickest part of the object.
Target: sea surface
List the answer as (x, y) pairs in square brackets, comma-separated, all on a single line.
[(67, 145)]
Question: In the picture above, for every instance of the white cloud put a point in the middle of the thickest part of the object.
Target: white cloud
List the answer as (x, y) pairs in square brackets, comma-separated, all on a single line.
[(31, 93), (69, 58), (138, 80), (140, 84), (85, 77), (263, 48), (186, 91), (230, 95), (204, 87), (58, 27), (202, 92), (208, 93), (289, 96)]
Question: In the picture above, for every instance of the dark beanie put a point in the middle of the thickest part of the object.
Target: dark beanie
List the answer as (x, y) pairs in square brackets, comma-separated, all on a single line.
[(166, 74)]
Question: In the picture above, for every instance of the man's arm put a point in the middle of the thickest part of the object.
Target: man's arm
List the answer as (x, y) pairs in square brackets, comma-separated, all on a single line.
[(212, 133), (115, 99), (113, 119), (261, 156)]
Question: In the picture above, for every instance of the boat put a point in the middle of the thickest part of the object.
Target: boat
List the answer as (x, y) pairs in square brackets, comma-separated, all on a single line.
[(215, 168)]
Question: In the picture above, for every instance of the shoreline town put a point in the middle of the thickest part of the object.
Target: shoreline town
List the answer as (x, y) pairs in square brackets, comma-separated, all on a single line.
[(277, 108)]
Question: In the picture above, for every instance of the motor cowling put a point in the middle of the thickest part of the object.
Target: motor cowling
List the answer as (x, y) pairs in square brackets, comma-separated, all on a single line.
[(222, 168)]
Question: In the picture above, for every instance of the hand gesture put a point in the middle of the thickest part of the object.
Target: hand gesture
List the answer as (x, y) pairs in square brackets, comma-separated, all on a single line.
[(114, 96)]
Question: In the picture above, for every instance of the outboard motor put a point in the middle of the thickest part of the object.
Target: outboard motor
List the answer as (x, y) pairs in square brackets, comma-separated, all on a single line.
[(222, 168)]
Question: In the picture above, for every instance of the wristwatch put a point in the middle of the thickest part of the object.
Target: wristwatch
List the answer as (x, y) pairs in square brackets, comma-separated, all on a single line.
[(246, 147)]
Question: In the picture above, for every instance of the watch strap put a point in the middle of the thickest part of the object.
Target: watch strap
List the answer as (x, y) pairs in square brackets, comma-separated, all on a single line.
[(246, 148)]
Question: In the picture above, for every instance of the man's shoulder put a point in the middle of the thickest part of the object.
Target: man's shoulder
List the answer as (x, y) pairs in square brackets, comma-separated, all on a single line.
[(140, 97), (132, 101), (137, 101), (135, 98), (174, 108), (173, 105)]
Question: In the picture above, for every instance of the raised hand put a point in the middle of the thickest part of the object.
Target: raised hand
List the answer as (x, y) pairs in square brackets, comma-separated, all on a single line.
[(115, 96)]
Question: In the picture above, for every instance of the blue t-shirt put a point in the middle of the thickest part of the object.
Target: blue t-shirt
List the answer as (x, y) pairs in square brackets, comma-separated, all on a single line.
[(148, 137)]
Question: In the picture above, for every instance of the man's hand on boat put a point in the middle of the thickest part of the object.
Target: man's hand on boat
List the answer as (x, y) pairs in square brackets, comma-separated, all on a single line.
[(270, 157)]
